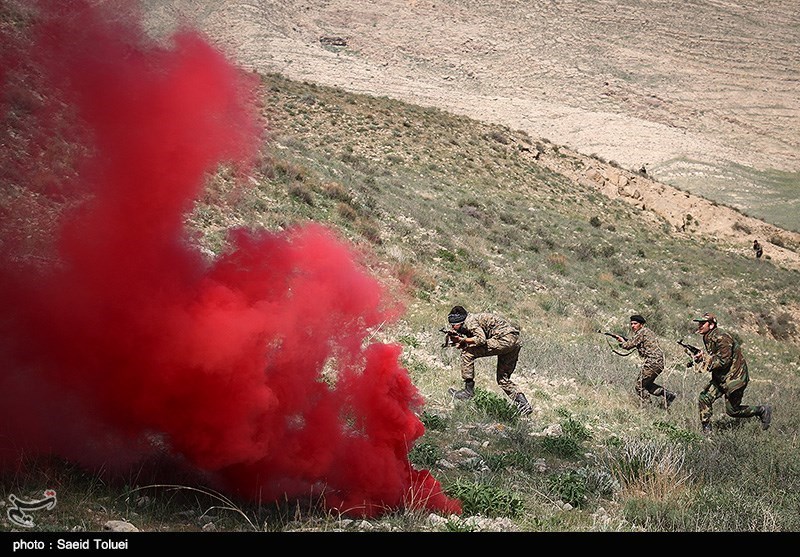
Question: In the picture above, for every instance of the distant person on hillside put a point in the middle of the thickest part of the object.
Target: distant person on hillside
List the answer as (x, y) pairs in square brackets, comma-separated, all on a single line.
[(479, 335), (723, 358), (757, 249), (646, 344)]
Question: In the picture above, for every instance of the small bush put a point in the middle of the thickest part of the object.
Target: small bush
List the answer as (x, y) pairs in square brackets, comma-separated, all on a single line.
[(571, 486), (485, 499), (455, 525), (742, 227), (676, 434), (370, 231), (584, 251), (424, 454), (499, 137), (495, 406), (780, 326), (652, 468), (289, 172), (346, 212), (776, 241), (608, 250), (561, 446), (575, 430), (557, 263), (433, 422), (518, 459), (301, 192), (336, 191)]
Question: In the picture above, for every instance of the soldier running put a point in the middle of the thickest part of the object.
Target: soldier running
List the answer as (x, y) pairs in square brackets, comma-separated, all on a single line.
[(729, 376), (646, 344)]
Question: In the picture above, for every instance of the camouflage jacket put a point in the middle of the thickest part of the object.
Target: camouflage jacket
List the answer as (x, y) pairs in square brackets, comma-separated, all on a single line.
[(646, 343), (725, 360), (487, 327)]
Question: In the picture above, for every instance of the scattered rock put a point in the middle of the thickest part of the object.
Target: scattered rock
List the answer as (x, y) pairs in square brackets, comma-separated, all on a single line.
[(119, 526)]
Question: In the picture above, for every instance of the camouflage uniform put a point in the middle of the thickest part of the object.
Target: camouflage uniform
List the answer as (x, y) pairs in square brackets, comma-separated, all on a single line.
[(729, 377), (646, 343), (494, 336)]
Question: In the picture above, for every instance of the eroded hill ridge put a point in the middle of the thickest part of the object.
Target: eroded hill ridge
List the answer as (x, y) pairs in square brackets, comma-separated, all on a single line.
[(687, 94)]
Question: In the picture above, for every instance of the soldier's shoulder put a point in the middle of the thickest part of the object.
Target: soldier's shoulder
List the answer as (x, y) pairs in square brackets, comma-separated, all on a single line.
[(651, 334), (484, 315), (474, 318), (719, 334)]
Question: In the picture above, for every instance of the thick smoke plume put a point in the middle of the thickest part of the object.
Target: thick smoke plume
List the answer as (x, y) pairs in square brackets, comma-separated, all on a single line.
[(120, 341)]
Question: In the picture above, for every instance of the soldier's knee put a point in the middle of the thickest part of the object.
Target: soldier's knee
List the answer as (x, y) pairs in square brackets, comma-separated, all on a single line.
[(731, 410)]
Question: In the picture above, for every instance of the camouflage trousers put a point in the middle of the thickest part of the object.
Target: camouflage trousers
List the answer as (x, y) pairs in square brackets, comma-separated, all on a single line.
[(506, 348), (646, 383), (733, 403)]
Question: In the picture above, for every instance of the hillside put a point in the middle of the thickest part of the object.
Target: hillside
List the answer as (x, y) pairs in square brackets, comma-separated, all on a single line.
[(256, 347), (703, 95)]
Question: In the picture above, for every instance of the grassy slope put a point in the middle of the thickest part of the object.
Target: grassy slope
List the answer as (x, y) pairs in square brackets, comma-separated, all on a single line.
[(447, 210), (453, 210)]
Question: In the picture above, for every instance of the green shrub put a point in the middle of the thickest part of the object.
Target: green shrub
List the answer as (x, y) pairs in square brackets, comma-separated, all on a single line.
[(574, 429), (424, 454), (674, 433), (561, 446), (486, 500), (571, 486), (495, 406), (433, 422)]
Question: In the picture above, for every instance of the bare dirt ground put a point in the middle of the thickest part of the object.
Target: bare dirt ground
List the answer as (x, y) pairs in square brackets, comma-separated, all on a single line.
[(704, 94)]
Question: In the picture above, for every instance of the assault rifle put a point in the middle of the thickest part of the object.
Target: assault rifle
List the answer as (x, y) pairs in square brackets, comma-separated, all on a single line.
[(614, 336), (451, 337), (691, 351)]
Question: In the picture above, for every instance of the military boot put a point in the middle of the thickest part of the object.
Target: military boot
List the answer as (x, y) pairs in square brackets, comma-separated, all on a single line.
[(466, 393), (706, 429), (669, 397), (522, 404), (765, 413)]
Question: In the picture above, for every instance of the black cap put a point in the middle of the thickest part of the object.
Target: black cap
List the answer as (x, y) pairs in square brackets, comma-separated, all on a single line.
[(457, 315), (638, 319)]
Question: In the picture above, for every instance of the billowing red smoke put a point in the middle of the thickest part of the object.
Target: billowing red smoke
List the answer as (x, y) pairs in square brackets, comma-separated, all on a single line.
[(120, 341)]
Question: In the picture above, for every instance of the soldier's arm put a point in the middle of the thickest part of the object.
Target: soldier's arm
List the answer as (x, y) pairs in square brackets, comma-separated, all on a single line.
[(633, 342), (477, 334)]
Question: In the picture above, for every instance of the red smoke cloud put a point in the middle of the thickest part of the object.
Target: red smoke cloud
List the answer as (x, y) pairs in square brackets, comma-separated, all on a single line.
[(120, 341)]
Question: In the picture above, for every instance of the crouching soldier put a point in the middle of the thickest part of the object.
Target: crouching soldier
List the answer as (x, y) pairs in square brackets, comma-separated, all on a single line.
[(480, 335)]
